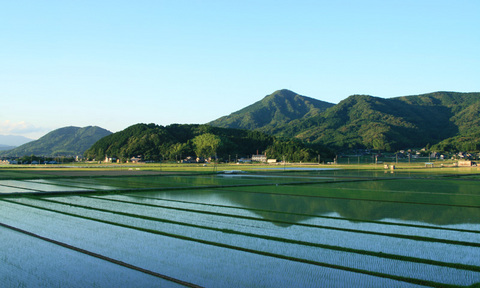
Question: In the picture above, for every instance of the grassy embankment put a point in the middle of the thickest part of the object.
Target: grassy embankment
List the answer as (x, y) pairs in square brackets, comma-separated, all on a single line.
[(89, 169)]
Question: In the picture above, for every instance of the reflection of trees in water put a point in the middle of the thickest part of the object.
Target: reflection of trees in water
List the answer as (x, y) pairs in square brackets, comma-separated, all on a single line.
[(279, 203), (157, 181), (291, 206), (352, 209)]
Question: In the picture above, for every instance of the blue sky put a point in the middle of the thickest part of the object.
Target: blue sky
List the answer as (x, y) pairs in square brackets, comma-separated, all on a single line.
[(117, 63)]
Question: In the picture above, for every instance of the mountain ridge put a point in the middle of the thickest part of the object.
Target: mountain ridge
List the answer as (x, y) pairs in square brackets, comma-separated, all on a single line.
[(13, 140), (276, 109), (65, 141), (364, 121)]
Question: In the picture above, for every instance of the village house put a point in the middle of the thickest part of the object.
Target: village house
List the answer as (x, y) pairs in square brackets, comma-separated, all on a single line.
[(244, 160), (259, 158), (466, 163), (111, 160), (135, 159)]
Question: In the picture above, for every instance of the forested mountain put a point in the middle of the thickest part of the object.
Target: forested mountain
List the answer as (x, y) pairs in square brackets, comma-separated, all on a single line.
[(67, 141), (173, 142), (275, 110), (363, 121)]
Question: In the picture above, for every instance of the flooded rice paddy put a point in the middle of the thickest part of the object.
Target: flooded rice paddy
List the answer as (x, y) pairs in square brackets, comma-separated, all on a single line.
[(307, 228)]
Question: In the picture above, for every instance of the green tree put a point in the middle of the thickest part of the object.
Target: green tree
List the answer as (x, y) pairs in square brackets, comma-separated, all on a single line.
[(206, 145), (179, 149)]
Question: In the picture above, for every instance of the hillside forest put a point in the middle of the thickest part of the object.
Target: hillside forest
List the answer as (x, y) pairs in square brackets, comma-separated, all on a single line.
[(174, 142)]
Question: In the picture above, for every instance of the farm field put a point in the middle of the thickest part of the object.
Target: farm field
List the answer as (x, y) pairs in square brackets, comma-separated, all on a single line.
[(259, 228)]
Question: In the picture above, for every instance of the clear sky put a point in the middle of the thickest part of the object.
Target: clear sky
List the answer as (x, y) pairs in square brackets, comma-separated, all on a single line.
[(117, 63)]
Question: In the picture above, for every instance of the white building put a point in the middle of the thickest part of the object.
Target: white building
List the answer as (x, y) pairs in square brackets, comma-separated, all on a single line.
[(259, 158)]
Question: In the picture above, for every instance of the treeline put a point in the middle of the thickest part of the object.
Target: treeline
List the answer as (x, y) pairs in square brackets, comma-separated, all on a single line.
[(33, 159), (464, 143), (174, 142)]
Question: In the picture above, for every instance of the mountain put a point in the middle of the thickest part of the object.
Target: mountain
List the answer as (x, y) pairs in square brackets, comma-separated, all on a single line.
[(13, 140), (67, 141), (275, 110), (6, 147), (177, 141), (363, 121)]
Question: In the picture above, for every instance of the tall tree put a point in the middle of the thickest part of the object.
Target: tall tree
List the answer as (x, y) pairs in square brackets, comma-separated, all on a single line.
[(206, 145)]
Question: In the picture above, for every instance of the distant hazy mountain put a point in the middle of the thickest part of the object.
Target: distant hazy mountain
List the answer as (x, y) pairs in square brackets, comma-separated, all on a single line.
[(363, 121), (68, 141), (275, 110), (6, 147), (13, 140)]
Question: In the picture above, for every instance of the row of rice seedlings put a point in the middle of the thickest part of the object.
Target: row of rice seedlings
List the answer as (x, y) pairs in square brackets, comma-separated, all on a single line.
[(433, 186), (374, 226), (464, 227), (420, 271), (425, 197), (165, 181), (335, 224), (145, 182), (222, 200), (328, 191), (376, 264), (35, 186), (109, 183), (205, 180), (26, 261), (65, 185), (15, 184), (457, 214), (208, 198), (275, 179), (9, 189), (186, 218), (70, 184), (200, 263), (110, 240), (91, 182), (464, 209), (299, 231), (400, 196)]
